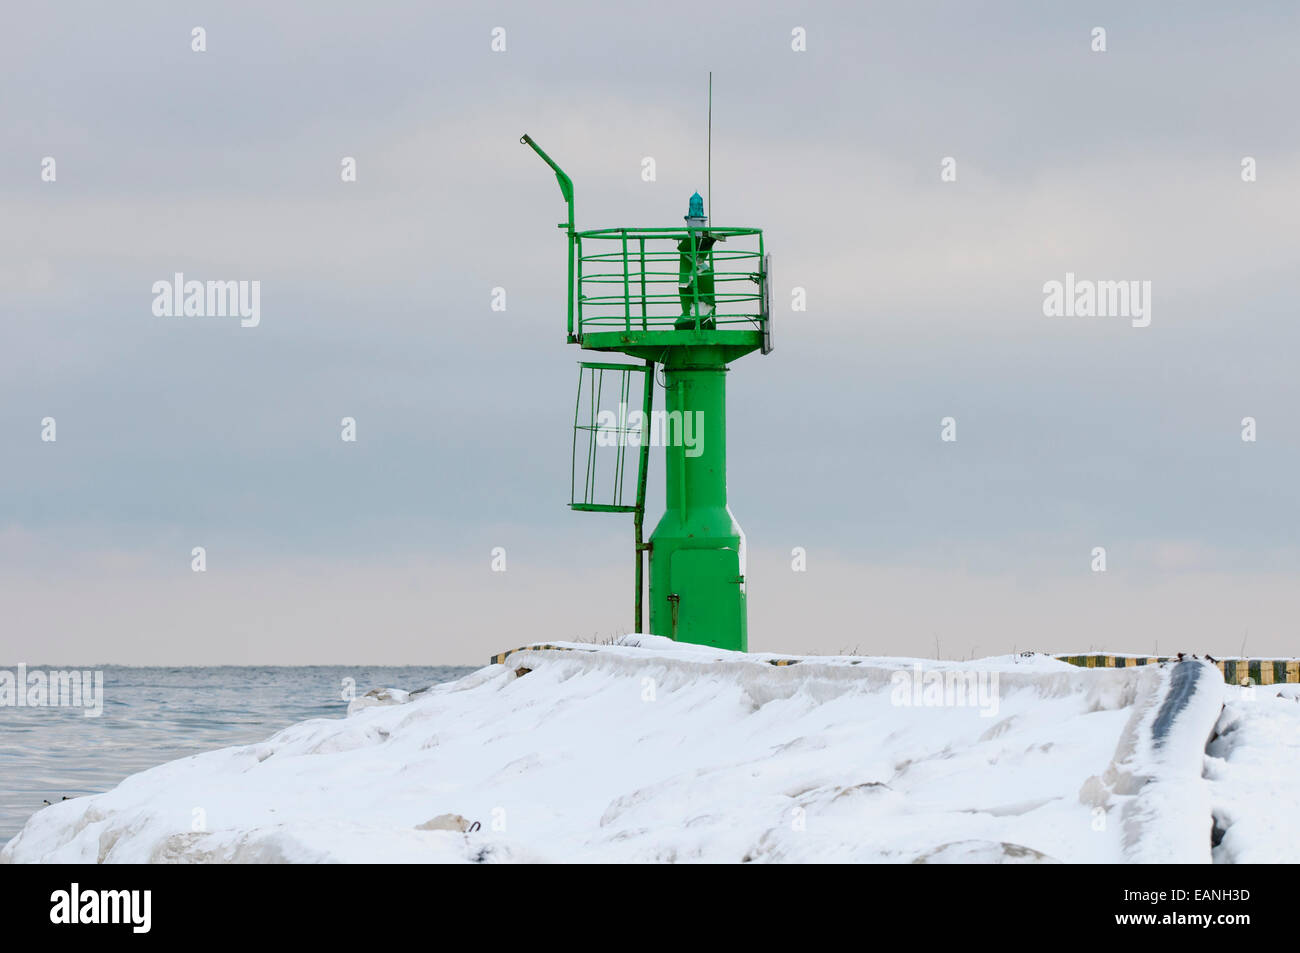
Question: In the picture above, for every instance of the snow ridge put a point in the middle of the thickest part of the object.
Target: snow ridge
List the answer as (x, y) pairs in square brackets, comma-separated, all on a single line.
[(1155, 777)]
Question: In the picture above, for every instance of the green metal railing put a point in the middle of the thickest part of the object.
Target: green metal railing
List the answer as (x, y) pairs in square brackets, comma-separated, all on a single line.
[(659, 279), (662, 279)]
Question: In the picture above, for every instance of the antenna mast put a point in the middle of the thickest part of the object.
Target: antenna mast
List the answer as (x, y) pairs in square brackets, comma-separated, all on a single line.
[(708, 188)]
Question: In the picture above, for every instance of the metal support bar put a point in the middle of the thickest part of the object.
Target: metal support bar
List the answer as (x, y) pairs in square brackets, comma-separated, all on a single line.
[(643, 311), (566, 189), (695, 276), (638, 517), (627, 299)]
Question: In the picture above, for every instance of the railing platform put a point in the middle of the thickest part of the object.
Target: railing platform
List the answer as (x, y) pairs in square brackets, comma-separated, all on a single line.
[(650, 344), (668, 282)]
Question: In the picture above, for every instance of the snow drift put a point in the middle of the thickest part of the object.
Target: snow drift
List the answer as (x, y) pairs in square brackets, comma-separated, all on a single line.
[(655, 751)]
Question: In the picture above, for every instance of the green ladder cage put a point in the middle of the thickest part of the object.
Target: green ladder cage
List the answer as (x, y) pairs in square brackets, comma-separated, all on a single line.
[(611, 424)]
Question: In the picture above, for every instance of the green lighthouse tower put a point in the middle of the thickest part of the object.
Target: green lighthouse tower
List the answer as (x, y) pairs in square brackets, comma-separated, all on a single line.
[(689, 300)]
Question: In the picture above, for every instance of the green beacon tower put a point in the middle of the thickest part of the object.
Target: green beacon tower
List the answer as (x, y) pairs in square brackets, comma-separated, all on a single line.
[(683, 302)]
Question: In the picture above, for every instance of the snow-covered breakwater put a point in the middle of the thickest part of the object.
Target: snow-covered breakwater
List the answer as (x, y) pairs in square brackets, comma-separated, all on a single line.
[(667, 752)]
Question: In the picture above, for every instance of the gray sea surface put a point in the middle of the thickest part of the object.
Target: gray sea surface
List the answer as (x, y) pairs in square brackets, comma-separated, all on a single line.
[(154, 715)]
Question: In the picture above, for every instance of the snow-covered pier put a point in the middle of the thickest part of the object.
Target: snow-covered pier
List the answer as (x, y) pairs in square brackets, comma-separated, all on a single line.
[(657, 751)]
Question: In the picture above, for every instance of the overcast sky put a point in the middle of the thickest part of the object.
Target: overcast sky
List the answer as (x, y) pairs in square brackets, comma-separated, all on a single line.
[(925, 300)]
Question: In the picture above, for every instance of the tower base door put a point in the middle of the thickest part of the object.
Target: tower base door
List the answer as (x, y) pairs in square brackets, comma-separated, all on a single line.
[(709, 608)]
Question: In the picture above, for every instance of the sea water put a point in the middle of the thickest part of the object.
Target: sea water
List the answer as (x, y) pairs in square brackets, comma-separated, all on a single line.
[(153, 715)]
